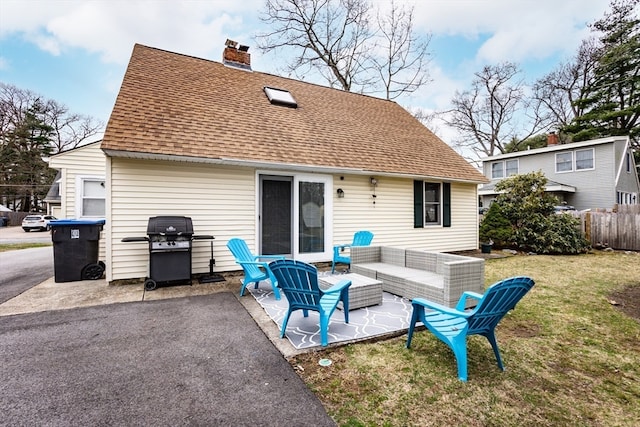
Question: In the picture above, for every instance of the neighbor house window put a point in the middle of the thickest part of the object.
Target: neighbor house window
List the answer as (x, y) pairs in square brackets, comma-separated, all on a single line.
[(497, 170), (584, 159), (511, 167), (564, 162), (627, 160), (91, 197), (432, 204)]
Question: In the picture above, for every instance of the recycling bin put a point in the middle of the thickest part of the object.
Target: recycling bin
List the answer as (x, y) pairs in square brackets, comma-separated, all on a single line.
[(75, 249)]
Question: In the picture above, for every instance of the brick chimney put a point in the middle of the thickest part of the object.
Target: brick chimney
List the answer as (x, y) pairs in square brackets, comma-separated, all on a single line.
[(552, 139), (235, 56)]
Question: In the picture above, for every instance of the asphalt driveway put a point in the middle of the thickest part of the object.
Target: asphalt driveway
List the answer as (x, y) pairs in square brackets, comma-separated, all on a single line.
[(186, 361)]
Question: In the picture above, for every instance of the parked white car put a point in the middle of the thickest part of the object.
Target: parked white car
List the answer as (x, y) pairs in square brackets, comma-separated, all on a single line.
[(37, 222)]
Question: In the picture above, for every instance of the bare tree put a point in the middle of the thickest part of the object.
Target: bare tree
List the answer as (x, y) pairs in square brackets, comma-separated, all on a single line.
[(70, 130), (339, 40), (403, 58), (490, 114), (31, 129), (330, 37)]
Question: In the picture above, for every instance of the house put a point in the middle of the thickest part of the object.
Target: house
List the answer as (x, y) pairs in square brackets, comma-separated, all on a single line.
[(587, 175), (81, 184), (289, 166), (53, 199)]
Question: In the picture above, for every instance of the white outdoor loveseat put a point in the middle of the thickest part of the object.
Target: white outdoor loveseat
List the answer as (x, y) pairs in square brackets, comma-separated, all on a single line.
[(410, 273)]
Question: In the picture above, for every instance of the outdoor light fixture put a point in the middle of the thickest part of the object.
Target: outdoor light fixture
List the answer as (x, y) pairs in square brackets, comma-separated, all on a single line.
[(374, 181), (340, 193)]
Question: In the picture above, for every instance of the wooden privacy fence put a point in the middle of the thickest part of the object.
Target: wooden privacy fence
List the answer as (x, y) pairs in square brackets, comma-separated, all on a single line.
[(617, 229)]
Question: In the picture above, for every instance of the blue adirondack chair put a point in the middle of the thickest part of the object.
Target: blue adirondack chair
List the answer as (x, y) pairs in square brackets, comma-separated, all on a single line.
[(299, 282), (453, 326), (361, 238), (254, 269)]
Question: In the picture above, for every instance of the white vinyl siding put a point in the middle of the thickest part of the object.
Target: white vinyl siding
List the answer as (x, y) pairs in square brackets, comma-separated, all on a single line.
[(85, 161), (391, 218), (221, 202)]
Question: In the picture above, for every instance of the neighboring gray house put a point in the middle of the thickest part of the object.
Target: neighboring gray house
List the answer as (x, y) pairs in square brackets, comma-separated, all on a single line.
[(587, 175)]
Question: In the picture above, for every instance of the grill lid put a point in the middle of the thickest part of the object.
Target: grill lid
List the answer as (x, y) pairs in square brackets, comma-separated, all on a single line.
[(170, 225)]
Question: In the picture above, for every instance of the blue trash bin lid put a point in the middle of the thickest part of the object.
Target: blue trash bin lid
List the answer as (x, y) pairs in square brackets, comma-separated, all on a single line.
[(63, 222)]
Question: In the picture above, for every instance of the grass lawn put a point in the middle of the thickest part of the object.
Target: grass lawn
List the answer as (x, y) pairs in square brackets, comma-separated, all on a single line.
[(571, 350), (15, 246)]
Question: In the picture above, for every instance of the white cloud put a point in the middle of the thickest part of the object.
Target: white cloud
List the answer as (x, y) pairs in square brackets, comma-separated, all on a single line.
[(517, 29), (111, 28)]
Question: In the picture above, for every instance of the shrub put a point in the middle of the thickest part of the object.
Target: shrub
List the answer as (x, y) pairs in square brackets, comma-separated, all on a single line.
[(527, 212), (496, 227)]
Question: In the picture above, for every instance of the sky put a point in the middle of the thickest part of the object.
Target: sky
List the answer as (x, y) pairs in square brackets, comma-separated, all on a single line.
[(76, 51)]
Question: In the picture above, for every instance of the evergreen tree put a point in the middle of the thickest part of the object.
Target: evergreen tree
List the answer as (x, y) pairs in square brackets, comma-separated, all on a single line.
[(611, 101)]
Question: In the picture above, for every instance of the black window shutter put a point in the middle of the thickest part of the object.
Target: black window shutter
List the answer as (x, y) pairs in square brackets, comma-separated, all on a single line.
[(446, 204), (418, 204)]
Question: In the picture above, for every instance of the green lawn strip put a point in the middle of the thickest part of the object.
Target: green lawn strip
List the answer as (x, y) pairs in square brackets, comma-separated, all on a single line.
[(571, 357), (4, 247)]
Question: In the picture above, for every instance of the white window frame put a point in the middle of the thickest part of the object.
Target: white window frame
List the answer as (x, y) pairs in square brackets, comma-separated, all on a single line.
[(438, 204), (506, 169), (493, 171), (570, 153), (80, 180), (593, 160)]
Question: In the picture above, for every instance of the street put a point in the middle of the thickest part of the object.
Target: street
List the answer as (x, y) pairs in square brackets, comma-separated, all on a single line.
[(22, 269)]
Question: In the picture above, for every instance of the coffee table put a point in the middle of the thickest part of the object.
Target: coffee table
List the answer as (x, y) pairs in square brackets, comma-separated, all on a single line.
[(363, 292)]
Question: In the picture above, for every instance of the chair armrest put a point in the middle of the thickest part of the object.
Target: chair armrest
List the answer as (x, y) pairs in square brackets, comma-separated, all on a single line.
[(258, 263), (338, 287), (462, 302), (341, 247), (258, 257), (438, 307)]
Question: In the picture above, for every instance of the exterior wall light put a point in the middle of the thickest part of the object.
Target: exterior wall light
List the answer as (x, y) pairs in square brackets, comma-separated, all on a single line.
[(340, 193), (374, 181)]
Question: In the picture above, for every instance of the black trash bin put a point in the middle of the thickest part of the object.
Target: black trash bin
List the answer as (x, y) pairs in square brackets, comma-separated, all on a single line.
[(3, 221), (75, 249)]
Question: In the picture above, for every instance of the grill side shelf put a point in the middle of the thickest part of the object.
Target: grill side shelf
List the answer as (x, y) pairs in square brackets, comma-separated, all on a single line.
[(135, 239)]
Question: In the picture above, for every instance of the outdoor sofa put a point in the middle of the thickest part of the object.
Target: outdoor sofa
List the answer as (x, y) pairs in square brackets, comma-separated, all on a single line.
[(411, 273)]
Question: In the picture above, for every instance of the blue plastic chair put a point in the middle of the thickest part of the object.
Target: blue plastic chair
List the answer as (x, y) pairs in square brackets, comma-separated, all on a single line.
[(299, 282), (254, 269), (453, 326), (361, 238)]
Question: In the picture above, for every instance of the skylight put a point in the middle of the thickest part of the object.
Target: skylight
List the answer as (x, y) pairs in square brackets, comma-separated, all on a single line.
[(280, 97)]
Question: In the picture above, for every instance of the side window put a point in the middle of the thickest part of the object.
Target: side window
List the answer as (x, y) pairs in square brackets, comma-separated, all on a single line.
[(564, 162), (511, 167), (91, 197), (584, 159), (496, 170), (431, 204), (627, 160)]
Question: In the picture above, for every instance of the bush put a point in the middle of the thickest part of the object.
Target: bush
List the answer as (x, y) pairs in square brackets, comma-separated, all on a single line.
[(496, 227), (523, 216)]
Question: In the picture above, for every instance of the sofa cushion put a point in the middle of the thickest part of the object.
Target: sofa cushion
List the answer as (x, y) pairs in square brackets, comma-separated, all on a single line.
[(395, 256), (421, 260)]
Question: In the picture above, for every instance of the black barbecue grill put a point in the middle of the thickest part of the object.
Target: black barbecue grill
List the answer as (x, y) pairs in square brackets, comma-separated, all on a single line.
[(170, 244)]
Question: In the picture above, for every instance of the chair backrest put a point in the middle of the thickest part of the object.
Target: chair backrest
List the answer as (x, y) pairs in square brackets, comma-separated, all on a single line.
[(299, 282), (241, 253), (362, 238), (496, 302)]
